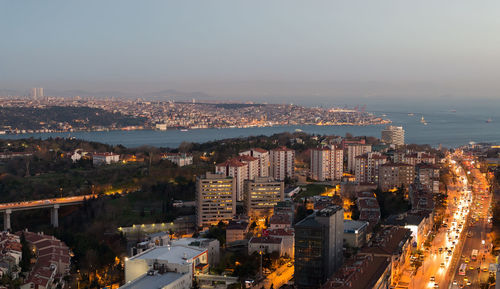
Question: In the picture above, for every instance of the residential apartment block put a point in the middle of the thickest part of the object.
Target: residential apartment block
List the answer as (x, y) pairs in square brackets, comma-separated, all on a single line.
[(215, 199), (327, 163), (282, 163), (393, 176), (367, 167), (261, 195), (263, 160)]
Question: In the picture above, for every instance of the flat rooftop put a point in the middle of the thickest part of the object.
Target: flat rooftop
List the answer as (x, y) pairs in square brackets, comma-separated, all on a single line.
[(176, 254), (351, 226), (153, 281)]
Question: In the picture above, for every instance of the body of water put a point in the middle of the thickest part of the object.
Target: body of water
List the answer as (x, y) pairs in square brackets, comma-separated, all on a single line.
[(444, 126)]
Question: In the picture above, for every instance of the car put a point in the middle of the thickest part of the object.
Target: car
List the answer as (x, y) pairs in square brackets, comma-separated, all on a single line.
[(436, 285), (442, 265), (469, 283), (455, 282), (289, 265), (433, 279)]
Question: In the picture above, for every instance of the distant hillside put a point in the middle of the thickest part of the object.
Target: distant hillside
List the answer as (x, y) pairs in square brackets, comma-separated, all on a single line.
[(59, 117)]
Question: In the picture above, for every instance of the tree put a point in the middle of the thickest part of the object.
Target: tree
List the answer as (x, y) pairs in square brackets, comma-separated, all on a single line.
[(27, 254)]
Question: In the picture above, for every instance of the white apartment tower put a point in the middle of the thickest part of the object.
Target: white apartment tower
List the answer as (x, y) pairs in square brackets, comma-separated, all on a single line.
[(282, 163), (238, 171), (327, 163), (393, 135), (215, 199), (354, 150), (263, 156)]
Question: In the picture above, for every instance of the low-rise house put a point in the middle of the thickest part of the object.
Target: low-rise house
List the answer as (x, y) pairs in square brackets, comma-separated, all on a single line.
[(355, 233), (280, 221), (180, 159), (392, 242), (369, 209), (288, 237), (236, 231), (266, 245)]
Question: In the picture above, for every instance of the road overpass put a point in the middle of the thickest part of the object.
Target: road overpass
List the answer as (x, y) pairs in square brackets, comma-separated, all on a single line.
[(53, 204)]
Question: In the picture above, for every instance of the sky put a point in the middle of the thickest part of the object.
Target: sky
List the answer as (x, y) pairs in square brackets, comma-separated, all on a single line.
[(257, 50)]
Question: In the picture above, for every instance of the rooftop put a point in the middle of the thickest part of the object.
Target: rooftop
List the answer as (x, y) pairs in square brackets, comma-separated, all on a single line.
[(266, 240), (351, 226), (153, 281), (177, 254)]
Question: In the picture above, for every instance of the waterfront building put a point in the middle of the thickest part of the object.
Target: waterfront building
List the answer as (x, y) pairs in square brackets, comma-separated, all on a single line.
[(263, 160), (393, 135), (327, 163), (367, 167), (238, 171), (282, 163), (318, 246), (215, 199), (393, 176), (261, 195), (354, 150)]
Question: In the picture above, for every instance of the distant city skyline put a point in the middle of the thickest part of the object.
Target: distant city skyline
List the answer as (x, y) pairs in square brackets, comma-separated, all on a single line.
[(275, 51)]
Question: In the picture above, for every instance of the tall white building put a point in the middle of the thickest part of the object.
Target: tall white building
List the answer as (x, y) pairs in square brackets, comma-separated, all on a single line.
[(367, 167), (354, 150), (263, 156), (237, 170), (282, 163), (37, 92), (327, 163), (215, 199), (393, 135)]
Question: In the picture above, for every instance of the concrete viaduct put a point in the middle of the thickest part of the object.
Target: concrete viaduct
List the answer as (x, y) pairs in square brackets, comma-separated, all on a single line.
[(53, 204)]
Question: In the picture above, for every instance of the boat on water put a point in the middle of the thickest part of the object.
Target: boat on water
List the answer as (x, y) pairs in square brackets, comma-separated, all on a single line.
[(411, 114), (489, 120), (184, 129), (422, 120), (298, 130), (384, 115), (453, 110)]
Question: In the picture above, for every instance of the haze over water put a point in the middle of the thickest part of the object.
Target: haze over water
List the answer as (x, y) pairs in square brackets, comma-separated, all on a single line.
[(444, 126)]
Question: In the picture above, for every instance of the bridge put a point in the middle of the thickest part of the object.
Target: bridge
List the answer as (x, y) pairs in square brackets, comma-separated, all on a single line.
[(53, 204)]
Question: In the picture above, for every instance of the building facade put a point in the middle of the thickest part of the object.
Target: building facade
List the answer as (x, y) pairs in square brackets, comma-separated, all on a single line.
[(318, 247), (393, 135), (367, 167), (354, 150), (327, 163), (261, 195), (215, 199), (238, 171), (393, 176), (263, 156), (282, 162)]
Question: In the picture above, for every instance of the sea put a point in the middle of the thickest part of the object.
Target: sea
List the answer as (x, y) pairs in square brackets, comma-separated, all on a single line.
[(450, 124)]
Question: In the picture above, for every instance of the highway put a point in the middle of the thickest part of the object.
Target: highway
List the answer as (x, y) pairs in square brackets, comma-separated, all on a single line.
[(36, 204), (477, 239), (439, 258)]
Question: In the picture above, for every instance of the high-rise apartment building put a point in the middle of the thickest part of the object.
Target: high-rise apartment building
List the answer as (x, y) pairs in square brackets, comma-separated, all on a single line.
[(215, 199), (393, 135), (427, 175), (354, 150), (327, 163), (252, 164), (367, 166), (261, 195), (396, 175), (263, 157), (282, 163), (237, 170), (318, 246), (37, 92)]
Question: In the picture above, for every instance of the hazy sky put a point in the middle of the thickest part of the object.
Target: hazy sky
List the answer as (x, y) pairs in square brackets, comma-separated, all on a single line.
[(254, 48)]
